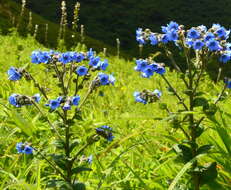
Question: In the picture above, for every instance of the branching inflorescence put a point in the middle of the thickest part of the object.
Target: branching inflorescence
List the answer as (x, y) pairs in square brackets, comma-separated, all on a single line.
[(73, 71), (199, 46)]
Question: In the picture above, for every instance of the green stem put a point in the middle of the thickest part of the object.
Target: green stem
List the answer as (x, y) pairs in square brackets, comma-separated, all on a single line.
[(76, 85), (192, 127), (50, 163), (175, 93)]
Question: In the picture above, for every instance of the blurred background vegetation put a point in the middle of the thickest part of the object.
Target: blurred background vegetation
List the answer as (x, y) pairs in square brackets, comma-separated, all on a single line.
[(107, 20)]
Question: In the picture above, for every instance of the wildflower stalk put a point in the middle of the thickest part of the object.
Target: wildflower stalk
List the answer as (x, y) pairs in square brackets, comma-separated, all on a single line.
[(192, 127)]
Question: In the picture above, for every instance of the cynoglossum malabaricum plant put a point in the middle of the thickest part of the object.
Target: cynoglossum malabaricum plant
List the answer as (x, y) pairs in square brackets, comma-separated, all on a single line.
[(198, 45), (73, 71)]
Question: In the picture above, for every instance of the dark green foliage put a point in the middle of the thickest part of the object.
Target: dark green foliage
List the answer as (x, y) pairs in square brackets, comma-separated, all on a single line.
[(110, 19)]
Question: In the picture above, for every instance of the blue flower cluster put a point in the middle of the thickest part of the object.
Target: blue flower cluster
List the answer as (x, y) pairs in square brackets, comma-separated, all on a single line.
[(46, 57), (148, 68), (24, 148), (147, 96), (66, 103), (106, 132), (213, 39), (18, 100)]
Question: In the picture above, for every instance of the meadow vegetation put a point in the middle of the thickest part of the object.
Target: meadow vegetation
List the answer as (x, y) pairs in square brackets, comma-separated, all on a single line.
[(142, 153)]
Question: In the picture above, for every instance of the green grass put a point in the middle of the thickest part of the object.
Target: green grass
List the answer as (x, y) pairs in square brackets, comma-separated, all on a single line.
[(140, 157)]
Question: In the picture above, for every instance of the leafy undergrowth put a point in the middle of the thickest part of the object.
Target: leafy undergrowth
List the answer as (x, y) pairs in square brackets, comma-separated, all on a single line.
[(140, 157)]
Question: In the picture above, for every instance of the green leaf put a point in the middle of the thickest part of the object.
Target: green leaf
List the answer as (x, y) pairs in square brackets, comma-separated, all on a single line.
[(210, 109), (60, 184), (209, 173), (199, 130), (60, 160), (79, 186), (181, 173), (74, 144), (204, 149), (24, 124), (200, 101), (59, 144), (183, 151), (80, 169)]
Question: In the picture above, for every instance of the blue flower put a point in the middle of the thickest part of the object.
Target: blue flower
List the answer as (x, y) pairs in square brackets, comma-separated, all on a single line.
[(139, 36), (28, 150), (164, 38), (160, 70), (44, 57), (35, 57), (65, 58), (138, 98), (189, 42), (59, 99), (67, 106), (141, 64), (94, 61), (13, 74), (225, 57), (209, 36), (106, 132), (193, 34), (172, 35), (157, 93), (80, 57), (213, 45), (53, 104), (90, 53), (13, 100), (154, 66), (222, 33), (198, 45), (36, 97), (172, 26), (22, 148), (112, 79), (103, 64), (104, 79), (153, 39), (139, 32), (19, 147), (81, 71), (75, 100), (148, 71)]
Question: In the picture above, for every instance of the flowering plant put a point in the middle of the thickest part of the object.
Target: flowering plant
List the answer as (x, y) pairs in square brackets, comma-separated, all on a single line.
[(198, 45), (73, 71)]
